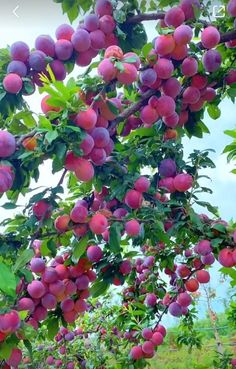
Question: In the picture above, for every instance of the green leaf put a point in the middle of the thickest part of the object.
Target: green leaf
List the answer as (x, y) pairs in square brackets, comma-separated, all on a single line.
[(229, 271), (51, 136), (210, 208), (142, 132), (214, 111), (120, 66), (23, 314), (231, 133), (79, 248), (9, 205), (23, 259), (7, 280), (219, 227), (45, 123), (44, 248), (146, 49), (52, 326), (112, 108), (98, 288), (5, 350), (115, 237), (28, 345)]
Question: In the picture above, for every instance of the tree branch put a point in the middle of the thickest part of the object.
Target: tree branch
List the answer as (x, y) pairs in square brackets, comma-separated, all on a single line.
[(133, 108), (22, 137), (145, 17)]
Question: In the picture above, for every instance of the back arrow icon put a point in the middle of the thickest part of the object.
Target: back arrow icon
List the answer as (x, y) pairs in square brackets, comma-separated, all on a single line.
[(14, 11)]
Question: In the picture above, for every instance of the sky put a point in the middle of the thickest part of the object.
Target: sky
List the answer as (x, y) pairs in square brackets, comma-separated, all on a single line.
[(43, 17)]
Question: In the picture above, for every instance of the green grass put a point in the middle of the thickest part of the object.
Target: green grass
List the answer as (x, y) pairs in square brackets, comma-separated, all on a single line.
[(169, 356)]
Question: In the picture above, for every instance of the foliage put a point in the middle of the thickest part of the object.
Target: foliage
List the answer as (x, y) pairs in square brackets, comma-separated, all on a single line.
[(95, 262)]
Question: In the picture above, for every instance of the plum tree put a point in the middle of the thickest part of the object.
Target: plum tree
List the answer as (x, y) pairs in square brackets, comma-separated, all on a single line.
[(126, 220)]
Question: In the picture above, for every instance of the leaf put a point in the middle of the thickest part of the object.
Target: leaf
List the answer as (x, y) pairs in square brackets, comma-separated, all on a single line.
[(129, 59), (98, 288), (52, 326), (44, 248), (229, 271), (51, 136), (45, 123), (210, 208), (115, 237), (146, 49), (23, 314), (219, 227), (9, 205), (23, 259), (112, 108), (7, 280), (5, 350), (120, 66), (214, 111), (142, 132), (52, 246), (231, 133), (79, 248), (28, 345)]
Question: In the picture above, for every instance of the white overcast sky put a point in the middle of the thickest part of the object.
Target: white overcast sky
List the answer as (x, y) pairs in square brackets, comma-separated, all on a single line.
[(43, 17)]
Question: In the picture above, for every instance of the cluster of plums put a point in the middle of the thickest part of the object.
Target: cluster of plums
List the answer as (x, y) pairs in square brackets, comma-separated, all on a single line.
[(79, 45)]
